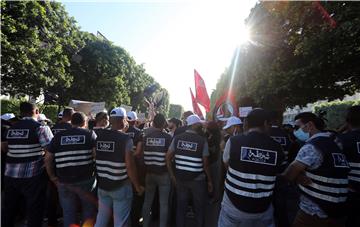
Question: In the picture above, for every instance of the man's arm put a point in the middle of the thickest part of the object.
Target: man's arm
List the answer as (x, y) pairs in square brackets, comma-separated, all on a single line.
[(50, 168), (4, 147), (205, 158), (207, 172), (226, 154), (131, 168), (169, 157), (295, 172), (139, 149)]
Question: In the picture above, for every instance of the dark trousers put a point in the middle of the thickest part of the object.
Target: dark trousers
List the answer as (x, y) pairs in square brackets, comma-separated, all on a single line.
[(199, 193), (52, 204), (303, 219), (353, 219), (280, 203), (33, 190)]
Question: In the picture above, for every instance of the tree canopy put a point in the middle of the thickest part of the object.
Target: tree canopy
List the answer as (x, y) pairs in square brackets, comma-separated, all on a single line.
[(299, 52), (44, 51)]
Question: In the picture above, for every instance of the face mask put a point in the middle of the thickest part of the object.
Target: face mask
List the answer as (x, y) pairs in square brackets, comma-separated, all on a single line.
[(301, 135)]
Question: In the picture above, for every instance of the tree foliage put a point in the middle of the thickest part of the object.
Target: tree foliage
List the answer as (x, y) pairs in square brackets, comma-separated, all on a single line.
[(298, 54), (44, 51), (38, 39)]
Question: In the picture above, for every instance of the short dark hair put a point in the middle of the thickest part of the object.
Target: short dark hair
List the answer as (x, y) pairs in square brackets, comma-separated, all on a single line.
[(101, 116), (68, 112), (306, 117), (27, 108), (78, 119), (159, 121), (176, 121), (187, 114), (353, 116), (257, 118)]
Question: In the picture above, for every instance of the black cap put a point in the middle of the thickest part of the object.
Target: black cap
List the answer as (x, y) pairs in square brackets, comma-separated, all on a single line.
[(257, 117)]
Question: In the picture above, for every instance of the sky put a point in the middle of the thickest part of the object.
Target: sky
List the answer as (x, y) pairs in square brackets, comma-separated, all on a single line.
[(171, 38)]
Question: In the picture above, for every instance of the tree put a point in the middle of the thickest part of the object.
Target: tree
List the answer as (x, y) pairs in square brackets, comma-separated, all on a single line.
[(176, 111), (100, 73), (38, 39), (297, 54)]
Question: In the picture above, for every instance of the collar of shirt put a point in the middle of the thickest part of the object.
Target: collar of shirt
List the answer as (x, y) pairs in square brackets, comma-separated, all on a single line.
[(320, 134), (191, 131), (29, 118)]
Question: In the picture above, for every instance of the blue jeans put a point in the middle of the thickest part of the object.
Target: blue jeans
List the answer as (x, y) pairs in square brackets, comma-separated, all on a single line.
[(230, 216), (162, 182), (70, 194), (116, 202), (198, 190)]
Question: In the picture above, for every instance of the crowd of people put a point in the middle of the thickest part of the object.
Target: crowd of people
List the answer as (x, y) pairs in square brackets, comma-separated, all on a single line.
[(118, 171)]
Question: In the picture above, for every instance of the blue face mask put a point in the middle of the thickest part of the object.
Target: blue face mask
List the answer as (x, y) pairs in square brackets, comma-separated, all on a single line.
[(301, 135)]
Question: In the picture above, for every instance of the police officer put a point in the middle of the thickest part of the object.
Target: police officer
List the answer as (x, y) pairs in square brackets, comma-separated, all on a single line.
[(154, 147), (282, 186), (350, 144), (73, 151), (233, 127), (136, 136), (53, 198), (253, 161), (321, 170), (25, 176), (191, 153), (115, 166), (185, 127), (101, 121), (65, 121)]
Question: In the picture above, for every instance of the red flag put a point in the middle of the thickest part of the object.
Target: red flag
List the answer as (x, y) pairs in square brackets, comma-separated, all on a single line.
[(196, 106), (229, 99), (325, 14), (202, 96)]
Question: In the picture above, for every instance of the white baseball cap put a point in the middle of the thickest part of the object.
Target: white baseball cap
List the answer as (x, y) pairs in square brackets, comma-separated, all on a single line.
[(118, 112), (7, 116), (132, 116), (193, 119), (232, 121), (42, 117)]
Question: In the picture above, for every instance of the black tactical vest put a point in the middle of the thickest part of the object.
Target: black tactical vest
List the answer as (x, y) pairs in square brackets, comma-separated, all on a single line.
[(61, 126), (280, 136), (156, 145), (330, 180), (255, 159), (23, 142), (110, 158), (351, 148), (135, 135), (188, 155), (73, 155)]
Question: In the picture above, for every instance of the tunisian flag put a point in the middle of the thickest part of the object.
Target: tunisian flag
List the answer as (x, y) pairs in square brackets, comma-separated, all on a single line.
[(196, 108), (202, 96)]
